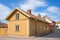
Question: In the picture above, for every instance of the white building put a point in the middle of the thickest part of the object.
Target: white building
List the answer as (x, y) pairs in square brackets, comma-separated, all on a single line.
[(58, 24)]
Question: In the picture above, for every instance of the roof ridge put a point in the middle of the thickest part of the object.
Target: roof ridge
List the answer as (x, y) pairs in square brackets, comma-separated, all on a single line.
[(36, 17), (27, 14)]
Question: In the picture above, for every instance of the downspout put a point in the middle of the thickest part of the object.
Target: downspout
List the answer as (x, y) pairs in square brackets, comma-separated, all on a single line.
[(28, 27), (35, 27)]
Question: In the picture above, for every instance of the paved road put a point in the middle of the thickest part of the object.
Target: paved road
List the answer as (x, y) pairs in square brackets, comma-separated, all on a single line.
[(51, 36)]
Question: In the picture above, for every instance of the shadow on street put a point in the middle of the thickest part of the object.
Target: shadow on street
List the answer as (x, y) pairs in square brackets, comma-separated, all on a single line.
[(51, 35)]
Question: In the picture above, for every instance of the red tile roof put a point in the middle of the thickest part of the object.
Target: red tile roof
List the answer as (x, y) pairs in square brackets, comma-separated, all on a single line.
[(27, 14), (3, 25), (35, 17), (58, 22)]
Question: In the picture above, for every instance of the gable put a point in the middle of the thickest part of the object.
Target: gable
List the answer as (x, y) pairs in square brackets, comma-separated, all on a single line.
[(21, 16), (16, 11)]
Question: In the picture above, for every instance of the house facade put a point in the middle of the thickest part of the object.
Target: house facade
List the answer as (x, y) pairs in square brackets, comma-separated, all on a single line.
[(22, 23)]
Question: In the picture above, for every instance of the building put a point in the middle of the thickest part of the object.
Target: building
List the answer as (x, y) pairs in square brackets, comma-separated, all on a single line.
[(51, 22), (3, 29), (22, 23), (47, 19), (57, 25)]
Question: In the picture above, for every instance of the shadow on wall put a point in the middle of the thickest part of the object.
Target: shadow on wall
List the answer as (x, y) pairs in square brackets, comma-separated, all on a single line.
[(51, 35)]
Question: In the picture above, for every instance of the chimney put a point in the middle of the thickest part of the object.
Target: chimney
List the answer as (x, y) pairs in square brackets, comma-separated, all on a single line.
[(29, 11), (46, 16), (39, 15)]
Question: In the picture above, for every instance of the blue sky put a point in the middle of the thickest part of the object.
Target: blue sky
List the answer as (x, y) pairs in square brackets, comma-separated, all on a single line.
[(44, 7)]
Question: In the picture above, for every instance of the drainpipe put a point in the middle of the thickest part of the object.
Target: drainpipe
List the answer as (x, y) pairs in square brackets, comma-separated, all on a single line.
[(35, 27)]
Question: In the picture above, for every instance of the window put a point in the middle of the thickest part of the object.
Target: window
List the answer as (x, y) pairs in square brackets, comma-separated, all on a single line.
[(34, 28), (17, 28), (45, 28), (40, 28), (17, 16)]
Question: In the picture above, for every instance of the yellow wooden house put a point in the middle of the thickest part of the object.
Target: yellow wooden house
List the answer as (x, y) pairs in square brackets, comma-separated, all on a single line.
[(24, 23)]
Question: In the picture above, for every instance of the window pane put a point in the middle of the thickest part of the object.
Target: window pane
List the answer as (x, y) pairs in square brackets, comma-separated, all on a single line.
[(45, 28), (40, 28), (17, 16), (17, 28)]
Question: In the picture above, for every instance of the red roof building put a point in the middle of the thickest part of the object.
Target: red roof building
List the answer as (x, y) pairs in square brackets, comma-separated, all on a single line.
[(3, 25)]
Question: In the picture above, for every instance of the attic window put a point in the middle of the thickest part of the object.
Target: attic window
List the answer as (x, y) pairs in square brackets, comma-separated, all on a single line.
[(17, 16)]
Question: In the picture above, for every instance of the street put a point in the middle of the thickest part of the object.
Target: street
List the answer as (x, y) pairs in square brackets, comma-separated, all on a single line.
[(51, 36)]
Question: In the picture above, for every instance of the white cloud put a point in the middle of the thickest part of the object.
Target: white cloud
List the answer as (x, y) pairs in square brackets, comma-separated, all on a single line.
[(55, 18), (53, 12), (32, 4), (53, 9), (4, 11)]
